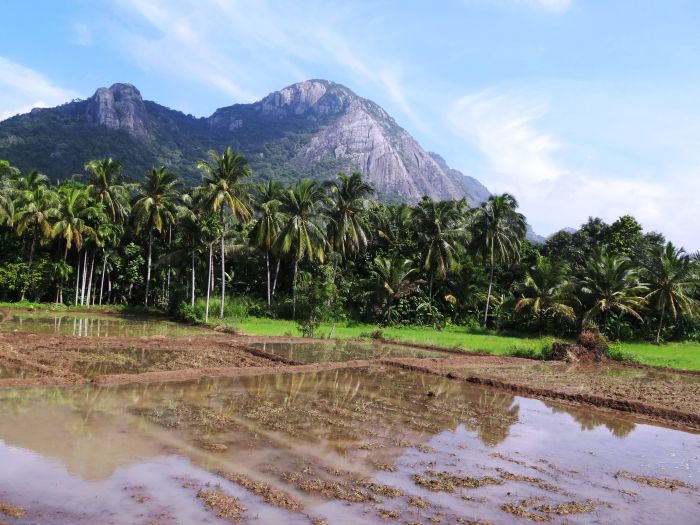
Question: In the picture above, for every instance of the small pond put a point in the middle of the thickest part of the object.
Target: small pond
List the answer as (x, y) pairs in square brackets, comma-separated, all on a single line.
[(343, 351)]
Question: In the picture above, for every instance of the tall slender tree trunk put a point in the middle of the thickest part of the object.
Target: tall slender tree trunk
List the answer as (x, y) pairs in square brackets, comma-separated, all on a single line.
[(77, 280), (223, 266), (31, 258), (104, 270), (488, 297), (267, 263), (661, 324), (193, 279), (89, 286), (294, 289), (84, 281), (170, 242), (277, 272), (430, 286), (211, 261), (148, 267)]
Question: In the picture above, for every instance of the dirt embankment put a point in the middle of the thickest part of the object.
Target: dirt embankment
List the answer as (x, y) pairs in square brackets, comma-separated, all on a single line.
[(36, 360)]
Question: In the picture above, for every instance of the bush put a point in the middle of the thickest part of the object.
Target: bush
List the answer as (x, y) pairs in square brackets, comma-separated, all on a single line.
[(186, 312)]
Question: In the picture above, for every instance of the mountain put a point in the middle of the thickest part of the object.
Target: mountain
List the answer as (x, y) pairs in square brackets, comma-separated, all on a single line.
[(310, 129)]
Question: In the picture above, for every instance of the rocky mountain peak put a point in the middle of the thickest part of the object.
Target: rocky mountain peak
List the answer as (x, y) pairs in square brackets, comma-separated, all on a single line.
[(119, 107), (313, 97)]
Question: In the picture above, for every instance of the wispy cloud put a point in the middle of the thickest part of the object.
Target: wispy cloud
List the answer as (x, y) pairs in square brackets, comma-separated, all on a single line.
[(22, 89), (553, 188), (239, 47), (553, 6)]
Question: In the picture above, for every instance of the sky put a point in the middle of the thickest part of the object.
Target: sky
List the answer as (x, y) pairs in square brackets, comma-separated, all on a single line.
[(577, 107)]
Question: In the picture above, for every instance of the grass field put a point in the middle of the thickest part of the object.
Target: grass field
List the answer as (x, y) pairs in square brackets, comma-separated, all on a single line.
[(673, 355)]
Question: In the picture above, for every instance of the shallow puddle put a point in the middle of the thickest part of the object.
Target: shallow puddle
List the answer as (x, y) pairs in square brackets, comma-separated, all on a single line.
[(349, 445), (343, 351), (8, 371), (94, 326)]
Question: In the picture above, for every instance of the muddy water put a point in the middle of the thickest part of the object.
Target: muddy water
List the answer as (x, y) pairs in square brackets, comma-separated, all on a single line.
[(94, 326), (343, 351), (344, 446)]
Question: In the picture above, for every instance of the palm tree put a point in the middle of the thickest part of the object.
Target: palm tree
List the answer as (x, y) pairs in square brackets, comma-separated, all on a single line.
[(267, 227), (546, 291), (223, 188), (438, 226), (105, 188), (392, 279), (611, 284), (303, 233), (393, 223), (35, 203), (498, 231), (347, 228), (672, 276), (8, 181), (73, 212), (155, 209)]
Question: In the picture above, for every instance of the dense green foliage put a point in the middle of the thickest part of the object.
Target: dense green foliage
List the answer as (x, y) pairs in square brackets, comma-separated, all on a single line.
[(331, 253)]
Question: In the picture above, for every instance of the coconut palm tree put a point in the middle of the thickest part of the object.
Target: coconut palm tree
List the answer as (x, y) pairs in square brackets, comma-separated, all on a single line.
[(34, 204), (224, 188), (74, 210), (438, 225), (611, 284), (547, 291), (267, 227), (672, 277), (393, 223), (347, 228), (392, 279), (498, 233), (104, 187), (303, 234), (155, 208), (8, 181)]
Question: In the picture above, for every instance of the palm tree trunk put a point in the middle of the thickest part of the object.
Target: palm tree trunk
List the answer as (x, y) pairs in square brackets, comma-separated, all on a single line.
[(31, 257), (211, 260), (193, 279), (294, 289), (488, 297), (661, 324), (277, 272), (223, 266), (82, 285), (430, 287), (267, 263), (104, 269), (148, 268), (89, 286), (77, 281), (170, 242)]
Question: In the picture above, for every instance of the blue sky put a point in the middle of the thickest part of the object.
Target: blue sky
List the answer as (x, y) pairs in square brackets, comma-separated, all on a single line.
[(578, 107)]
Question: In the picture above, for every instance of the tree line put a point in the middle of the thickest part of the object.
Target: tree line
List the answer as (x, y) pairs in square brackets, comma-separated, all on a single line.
[(330, 251)]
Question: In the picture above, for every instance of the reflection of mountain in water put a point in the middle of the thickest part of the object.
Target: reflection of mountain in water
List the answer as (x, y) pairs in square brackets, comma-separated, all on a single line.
[(590, 420)]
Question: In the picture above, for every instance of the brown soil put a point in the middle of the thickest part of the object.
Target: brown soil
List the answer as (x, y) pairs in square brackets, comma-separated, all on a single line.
[(225, 506), (661, 483), (658, 396), (13, 511), (67, 360)]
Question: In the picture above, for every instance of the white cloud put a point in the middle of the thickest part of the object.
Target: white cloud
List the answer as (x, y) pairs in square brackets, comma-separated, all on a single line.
[(553, 6), (237, 46), (22, 89), (553, 189)]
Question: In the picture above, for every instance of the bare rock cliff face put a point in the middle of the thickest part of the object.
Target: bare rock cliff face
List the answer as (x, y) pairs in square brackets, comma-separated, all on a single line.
[(364, 135), (119, 107)]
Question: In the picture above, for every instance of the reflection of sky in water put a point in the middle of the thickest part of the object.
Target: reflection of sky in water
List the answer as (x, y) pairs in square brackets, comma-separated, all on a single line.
[(78, 449), (95, 326)]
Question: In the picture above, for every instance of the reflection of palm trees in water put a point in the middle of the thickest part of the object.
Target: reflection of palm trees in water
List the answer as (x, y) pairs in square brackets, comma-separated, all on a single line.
[(590, 420), (497, 413)]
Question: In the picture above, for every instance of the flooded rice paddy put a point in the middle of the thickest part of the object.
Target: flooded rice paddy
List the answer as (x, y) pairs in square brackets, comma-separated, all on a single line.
[(94, 325), (342, 351), (377, 445)]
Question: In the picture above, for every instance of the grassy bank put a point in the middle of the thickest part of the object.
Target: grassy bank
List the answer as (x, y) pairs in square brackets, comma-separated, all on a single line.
[(672, 355)]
